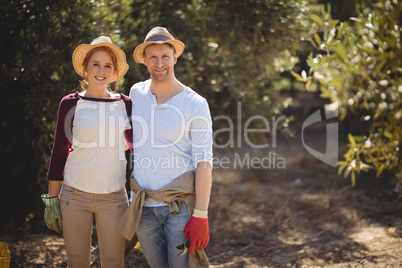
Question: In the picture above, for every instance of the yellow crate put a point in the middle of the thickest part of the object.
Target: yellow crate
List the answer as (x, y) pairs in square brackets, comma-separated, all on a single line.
[(4, 255)]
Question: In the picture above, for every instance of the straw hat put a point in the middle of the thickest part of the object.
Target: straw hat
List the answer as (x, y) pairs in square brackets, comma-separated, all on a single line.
[(81, 52), (158, 35)]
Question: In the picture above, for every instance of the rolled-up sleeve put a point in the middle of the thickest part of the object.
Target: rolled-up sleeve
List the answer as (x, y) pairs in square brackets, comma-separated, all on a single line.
[(201, 135)]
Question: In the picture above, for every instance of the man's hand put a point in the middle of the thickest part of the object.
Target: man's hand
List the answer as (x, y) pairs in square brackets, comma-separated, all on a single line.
[(197, 230)]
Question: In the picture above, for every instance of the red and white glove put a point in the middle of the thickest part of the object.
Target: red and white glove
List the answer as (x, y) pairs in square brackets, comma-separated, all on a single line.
[(197, 230)]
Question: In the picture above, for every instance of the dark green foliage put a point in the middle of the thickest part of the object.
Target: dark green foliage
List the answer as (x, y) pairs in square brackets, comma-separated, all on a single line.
[(37, 40), (359, 65)]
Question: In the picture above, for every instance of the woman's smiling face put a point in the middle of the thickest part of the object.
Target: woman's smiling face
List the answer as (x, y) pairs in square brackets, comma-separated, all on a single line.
[(100, 68)]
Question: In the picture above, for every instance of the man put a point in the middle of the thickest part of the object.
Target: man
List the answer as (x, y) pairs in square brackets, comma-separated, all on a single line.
[(172, 140)]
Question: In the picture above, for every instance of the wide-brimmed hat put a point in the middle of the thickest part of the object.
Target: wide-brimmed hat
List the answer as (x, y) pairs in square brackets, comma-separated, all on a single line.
[(81, 52), (158, 35)]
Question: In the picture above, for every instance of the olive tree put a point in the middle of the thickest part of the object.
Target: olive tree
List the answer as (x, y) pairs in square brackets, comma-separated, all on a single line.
[(358, 64)]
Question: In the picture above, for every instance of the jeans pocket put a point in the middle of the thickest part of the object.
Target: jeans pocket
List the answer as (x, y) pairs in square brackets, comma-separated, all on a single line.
[(64, 202), (67, 193), (120, 199), (122, 205), (68, 188), (119, 196)]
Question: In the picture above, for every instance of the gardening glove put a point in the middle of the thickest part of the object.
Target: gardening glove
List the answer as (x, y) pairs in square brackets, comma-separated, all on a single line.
[(197, 231), (52, 213)]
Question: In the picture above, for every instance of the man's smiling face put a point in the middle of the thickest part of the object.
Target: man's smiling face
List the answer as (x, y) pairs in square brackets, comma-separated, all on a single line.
[(160, 61)]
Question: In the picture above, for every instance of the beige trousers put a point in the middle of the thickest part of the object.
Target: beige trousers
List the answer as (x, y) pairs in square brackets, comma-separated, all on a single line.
[(78, 209)]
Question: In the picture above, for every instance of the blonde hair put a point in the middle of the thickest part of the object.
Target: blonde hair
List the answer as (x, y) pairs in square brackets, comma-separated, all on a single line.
[(109, 51)]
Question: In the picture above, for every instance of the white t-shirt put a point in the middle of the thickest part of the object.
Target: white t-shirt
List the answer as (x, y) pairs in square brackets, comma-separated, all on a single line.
[(169, 139), (94, 128)]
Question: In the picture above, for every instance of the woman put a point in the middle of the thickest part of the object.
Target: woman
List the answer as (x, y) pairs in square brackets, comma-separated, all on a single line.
[(88, 157)]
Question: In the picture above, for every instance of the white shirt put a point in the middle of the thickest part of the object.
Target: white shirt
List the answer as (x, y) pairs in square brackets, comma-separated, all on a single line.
[(169, 139), (97, 163)]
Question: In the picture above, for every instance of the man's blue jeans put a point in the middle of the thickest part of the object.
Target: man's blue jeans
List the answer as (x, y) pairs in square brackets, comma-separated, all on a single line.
[(159, 234)]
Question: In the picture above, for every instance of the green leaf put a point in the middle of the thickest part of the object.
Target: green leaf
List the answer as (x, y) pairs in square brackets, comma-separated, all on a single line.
[(297, 76), (341, 168), (358, 139), (388, 134), (317, 39), (347, 172), (379, 66), (316, 19), (349, 154), (341, 52), (333, 23), (352, 140), (308, 84), (379, 170)]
